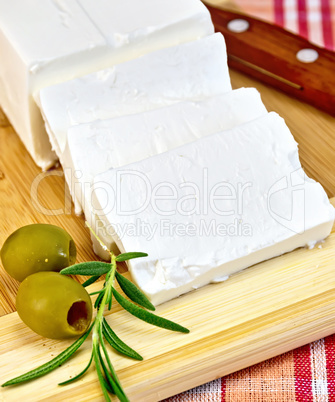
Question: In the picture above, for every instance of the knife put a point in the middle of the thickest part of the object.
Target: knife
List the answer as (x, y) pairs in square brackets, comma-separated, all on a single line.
[(279, 58)]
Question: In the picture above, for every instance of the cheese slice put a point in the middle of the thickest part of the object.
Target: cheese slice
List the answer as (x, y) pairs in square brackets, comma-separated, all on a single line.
[(95, 147), (98, 146), (193, 70), (148, 23), (213, 207), (44, 42)]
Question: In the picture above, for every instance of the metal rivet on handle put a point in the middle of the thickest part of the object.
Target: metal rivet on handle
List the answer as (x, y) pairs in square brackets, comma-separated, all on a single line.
[(307, 55), (238, 25)]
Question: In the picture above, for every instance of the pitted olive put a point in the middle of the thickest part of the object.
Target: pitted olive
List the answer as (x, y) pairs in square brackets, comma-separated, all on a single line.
[(53, 305)]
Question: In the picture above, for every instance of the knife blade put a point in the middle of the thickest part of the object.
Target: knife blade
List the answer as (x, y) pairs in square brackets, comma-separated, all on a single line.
[(269, 53)]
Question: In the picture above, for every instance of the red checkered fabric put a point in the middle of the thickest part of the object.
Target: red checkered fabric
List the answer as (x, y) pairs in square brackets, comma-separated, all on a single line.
[(312, 19), (306, 374)]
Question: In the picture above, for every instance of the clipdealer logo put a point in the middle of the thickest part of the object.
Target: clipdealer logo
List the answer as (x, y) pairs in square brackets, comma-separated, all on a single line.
[(167, 199), (286, 201), (132, 194), (159, 209)]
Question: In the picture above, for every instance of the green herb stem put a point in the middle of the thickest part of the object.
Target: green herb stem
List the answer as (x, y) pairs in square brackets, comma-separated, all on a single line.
[(98, 341)]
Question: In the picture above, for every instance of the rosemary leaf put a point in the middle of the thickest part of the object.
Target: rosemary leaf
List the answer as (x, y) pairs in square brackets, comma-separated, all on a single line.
[(101, 378), (108, 387), (146, 316), (107, 276), (130, 256), (73, 379), (133, 292), (99, 298), (110, 384), (119, 392), (95, 293), (94, 268), (91, 280), (52, 364), (117, 343)]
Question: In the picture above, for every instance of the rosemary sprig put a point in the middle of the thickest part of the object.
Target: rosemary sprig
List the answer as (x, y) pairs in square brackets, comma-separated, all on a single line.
[(52, 364), (101, 331)]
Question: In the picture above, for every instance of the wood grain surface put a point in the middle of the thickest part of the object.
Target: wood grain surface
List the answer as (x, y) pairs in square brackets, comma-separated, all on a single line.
[(261, 312), (290, 299)]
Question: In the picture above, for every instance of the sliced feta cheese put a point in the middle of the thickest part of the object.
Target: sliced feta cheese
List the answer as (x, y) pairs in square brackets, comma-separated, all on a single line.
[(96, 147), (193, 70), (44, 42), (213, 207)]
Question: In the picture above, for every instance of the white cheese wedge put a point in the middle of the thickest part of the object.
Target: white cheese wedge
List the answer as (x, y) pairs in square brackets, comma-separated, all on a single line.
[(44, 42), (193, 70), (211, 208)]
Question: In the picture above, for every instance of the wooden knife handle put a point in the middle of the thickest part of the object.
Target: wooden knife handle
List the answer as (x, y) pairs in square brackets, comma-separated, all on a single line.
[(269, 53)]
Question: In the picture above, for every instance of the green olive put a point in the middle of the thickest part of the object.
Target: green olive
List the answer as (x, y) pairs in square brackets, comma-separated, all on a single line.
[(53, 305), (35, 248)]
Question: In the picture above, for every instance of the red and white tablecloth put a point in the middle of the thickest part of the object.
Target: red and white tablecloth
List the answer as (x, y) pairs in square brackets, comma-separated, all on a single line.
[(312, 19), (306, 374)]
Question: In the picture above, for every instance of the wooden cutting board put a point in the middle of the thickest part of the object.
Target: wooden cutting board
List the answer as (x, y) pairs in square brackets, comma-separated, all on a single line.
[(259, 313)]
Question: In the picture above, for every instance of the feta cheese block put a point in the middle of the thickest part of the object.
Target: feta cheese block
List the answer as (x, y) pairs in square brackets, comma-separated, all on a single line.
[(193, 70), (44, 42), (36, 48), (213, 207), (98, 146)]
